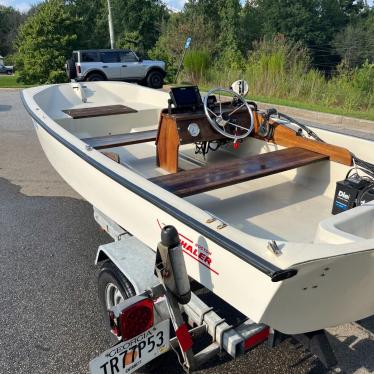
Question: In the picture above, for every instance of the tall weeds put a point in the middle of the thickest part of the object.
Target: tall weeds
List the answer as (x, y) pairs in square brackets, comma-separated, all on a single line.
[(196, 64), (281, 69)]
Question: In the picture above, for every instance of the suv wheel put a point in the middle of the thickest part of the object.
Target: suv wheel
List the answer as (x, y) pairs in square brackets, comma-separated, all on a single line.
[(71, 71), (155, 79), (95, 77)]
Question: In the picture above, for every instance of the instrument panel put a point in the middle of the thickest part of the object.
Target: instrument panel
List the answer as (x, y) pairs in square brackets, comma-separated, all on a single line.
[(194, 127)]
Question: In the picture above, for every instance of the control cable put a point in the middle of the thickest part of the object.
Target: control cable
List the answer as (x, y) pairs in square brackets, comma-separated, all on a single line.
[(362, 165)]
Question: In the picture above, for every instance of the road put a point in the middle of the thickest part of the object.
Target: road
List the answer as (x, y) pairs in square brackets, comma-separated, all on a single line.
[(50, 317)]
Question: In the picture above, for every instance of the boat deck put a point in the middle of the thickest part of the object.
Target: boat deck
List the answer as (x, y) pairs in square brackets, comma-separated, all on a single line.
[(272, 207)]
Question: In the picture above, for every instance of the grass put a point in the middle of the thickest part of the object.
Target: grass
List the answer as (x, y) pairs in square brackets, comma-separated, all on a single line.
[(368, 115), (10, 81), (280, 72)]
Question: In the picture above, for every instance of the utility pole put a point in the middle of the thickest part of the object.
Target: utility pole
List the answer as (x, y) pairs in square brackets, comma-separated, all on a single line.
[(110, 21)]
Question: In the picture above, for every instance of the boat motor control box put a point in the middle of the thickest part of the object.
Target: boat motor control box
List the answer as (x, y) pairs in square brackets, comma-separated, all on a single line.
[(348, 190)]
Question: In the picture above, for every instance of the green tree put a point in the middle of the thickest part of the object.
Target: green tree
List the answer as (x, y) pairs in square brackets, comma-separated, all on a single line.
[(10, 19), (44, 42), (92, 31), (355, 44), (169, 46), (137, 23), (250, 27), (129, 40), (312, 22), (229, 43), (141, 19), (223, 17), (214, 27), (208, 10)]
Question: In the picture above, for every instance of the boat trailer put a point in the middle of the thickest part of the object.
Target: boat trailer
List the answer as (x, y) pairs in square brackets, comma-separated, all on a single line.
[(162, 297)]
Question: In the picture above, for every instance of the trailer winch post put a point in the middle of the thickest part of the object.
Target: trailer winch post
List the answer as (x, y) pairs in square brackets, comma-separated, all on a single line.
[(170, 269)]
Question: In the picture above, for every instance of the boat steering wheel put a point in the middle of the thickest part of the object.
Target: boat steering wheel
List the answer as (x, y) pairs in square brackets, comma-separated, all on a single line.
[(222, 122)]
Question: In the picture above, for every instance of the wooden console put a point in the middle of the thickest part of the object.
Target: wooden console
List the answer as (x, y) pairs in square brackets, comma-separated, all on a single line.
[(173, 132)]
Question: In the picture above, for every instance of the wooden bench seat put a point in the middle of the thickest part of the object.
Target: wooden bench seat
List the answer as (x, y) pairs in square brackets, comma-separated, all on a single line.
[(119, 140), (191, 182), (98, 111)]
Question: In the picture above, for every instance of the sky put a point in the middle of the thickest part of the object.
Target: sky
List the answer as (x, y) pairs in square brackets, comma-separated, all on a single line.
[(24, 5)]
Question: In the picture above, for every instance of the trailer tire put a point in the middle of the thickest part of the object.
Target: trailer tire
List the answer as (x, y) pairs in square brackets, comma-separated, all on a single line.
[(110, 274), (113, 287)]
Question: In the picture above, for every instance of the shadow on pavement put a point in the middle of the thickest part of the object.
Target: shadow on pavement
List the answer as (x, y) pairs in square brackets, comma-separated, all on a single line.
[(367, 323), (50, 318), (5, 108), (354, 354)]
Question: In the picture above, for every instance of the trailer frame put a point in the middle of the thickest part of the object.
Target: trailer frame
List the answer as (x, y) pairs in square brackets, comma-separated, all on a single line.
[(137, 262)]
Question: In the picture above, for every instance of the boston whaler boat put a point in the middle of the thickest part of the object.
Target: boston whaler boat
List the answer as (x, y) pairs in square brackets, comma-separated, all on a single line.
[(250, 192)]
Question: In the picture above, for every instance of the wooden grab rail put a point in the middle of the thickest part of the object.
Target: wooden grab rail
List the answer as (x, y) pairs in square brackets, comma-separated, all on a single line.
[(287, 137)]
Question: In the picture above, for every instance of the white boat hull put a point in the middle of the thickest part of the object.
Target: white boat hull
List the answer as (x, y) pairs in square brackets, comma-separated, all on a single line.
[(328, 290)]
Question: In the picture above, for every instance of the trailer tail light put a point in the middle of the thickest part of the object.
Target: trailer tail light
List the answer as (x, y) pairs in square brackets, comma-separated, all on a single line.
[(133, 320), (78, 69), (256, 339)]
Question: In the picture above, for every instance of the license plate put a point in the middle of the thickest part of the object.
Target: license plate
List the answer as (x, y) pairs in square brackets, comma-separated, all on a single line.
[(128, 356)]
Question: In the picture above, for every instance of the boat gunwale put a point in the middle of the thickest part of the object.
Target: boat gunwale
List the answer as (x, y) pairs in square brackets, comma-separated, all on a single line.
[(275, 273)]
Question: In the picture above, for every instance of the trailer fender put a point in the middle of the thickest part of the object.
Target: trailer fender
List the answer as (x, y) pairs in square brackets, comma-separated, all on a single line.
[(134, 259)]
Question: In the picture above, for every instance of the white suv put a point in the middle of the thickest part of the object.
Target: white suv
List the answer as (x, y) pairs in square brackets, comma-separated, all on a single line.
[(115, 64)]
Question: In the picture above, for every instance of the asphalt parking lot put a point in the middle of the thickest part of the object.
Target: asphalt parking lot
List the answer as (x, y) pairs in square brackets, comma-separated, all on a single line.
[(50, 319)]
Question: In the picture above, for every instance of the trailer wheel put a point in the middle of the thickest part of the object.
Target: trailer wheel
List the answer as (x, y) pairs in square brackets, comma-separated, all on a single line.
[(113, 287)]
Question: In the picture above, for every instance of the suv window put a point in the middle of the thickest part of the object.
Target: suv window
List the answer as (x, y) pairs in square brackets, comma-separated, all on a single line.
[(75, 56), (90, 57), (109, 57), (128, 56)]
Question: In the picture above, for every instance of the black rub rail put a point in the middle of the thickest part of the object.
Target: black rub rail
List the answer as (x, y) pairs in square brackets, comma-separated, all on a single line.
[(276, 274)]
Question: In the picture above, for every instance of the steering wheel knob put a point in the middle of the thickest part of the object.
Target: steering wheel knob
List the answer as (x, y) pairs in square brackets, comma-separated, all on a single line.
[(221, 122)]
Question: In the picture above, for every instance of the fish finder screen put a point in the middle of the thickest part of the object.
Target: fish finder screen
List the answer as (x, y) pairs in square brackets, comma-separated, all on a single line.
[(186, 97)]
